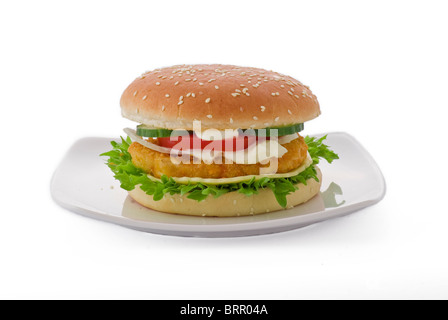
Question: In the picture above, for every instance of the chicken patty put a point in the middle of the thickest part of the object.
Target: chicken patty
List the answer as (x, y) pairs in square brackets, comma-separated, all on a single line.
[(158, 164)]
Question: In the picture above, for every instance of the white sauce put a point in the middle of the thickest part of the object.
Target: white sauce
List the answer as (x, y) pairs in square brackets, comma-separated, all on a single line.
[(185, 180)]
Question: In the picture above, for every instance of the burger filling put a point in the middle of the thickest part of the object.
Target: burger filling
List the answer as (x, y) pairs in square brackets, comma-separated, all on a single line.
[(148, 164), (158, 164)]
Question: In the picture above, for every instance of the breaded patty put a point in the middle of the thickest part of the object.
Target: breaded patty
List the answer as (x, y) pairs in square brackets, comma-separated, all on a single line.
[(158, 164)]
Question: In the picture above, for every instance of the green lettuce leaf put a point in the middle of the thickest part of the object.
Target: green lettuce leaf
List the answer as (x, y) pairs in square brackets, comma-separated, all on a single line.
[(120, 162)]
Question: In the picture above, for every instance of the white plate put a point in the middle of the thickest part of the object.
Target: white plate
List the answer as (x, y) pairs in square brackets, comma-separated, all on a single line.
[(85, 185)]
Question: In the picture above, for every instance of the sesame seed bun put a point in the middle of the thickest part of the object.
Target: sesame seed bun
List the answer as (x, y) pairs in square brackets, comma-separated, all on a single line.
[(230, 204), (220, 96)]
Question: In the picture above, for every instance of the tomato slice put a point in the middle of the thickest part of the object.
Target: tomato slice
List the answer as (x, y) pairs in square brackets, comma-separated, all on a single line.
[(193, 142)]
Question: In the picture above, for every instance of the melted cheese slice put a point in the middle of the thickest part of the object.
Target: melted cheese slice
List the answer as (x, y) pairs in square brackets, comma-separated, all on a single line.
[(186, 180)]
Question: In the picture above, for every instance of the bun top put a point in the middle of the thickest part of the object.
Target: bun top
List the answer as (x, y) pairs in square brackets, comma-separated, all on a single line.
[(220, 96)]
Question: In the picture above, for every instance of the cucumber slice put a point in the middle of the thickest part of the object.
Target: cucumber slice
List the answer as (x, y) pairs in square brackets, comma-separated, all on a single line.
[(281, 131), (148, 132)]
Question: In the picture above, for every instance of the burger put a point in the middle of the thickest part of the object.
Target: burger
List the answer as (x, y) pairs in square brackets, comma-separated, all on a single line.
[(218, 140)]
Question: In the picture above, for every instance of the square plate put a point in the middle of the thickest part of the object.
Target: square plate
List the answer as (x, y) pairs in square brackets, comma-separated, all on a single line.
[(85, 185)]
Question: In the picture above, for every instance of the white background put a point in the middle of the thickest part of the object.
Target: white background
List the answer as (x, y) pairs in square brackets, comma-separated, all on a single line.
[(379, 69)]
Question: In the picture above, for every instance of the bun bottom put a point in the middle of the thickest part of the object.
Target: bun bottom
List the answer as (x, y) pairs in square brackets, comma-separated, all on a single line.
[(230, 204)]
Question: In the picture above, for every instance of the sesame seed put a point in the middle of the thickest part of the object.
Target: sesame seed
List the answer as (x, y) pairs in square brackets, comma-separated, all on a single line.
[(163, 108), (167, 95), (180, 102), (157, 83), (292, 89), (209, 116), (216, 87), (144, 97), (255, 118), (211, 80), (274, 94), (238, 90), (262, 108), (187, 80), (282, 86), (241, 109), (235, 94), (249, 81), (276, 119), (247, 94), (160, 76), (177, 82), (135, 93), (231, 120), (245, 90), (194, 80), (201, 83), (193, 95), (289, 111), (255, 85), (304, 93), (242, 85), (207, 100), (265, 80), (297, 96), (181, 98), (290, 93), (277, 93), (164, 77), (171, 77), (243, 73)]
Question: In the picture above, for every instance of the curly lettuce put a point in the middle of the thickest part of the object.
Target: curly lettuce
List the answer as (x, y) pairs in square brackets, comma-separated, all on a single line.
[(120, 162)]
